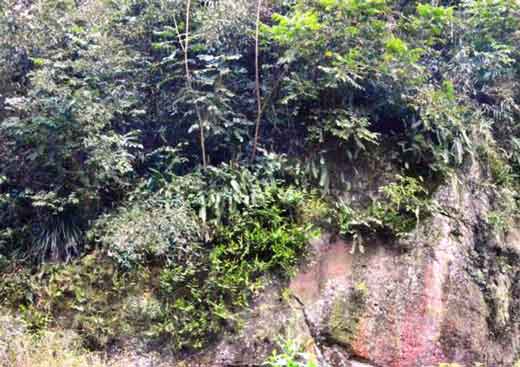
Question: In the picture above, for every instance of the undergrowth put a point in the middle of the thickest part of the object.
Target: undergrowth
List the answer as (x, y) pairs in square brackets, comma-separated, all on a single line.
[(156, 276), (134, 200)]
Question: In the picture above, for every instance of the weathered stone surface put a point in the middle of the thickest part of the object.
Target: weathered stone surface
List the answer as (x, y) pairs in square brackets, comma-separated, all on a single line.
[(450, 293)]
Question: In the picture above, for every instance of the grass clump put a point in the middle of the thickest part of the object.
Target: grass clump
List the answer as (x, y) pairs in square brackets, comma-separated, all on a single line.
[(20, 348), (290, 354)]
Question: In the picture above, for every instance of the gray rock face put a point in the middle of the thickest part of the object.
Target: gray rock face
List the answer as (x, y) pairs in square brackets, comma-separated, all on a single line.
[(449, 293)]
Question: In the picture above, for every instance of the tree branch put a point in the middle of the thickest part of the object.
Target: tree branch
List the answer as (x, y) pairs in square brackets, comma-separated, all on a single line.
[(190, 84), (257, 81)]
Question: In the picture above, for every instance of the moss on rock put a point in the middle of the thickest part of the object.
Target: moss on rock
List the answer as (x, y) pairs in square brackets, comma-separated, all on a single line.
[(345, 315)]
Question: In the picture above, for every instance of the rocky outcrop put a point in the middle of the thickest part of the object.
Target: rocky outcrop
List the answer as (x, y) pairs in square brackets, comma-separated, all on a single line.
[(449, 293)]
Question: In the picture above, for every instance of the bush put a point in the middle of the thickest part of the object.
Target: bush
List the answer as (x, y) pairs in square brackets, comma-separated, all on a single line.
[(397, 212), (153, 229), (63, 152)]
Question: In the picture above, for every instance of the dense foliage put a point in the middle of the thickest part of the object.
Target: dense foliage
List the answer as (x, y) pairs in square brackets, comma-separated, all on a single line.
[(186, 147)]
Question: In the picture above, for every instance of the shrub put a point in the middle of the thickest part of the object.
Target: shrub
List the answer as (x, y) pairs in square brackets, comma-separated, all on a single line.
[(66, 151), (148, 230), (397, 212), (219, 193)]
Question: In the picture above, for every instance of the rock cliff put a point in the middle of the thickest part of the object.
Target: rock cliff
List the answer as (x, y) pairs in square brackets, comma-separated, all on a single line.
[(449, 293)]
